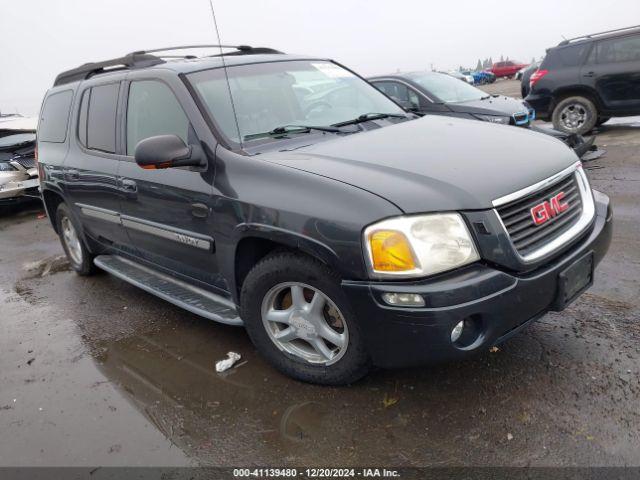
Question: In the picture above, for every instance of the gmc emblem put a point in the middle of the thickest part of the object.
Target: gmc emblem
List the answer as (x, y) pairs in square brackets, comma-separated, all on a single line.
[(545, 211)]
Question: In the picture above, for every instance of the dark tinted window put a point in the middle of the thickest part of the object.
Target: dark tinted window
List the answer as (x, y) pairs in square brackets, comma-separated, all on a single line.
[(153, 110), (54, 117), (569, 56), (616, 50), (399, 91), (101, 118)]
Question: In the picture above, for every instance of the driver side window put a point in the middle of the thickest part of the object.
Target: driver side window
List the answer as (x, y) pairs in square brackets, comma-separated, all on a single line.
[(399, 91), (153, 109)]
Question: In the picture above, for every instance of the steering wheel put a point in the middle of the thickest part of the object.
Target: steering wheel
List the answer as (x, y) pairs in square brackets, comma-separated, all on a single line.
[(321, 105)]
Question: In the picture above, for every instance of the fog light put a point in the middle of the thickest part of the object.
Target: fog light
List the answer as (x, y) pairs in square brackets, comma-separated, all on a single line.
[(457, 332), (403, 299)]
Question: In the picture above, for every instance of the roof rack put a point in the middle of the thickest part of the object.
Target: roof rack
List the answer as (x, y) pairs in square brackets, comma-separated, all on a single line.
[(145, 58), (584, 37)]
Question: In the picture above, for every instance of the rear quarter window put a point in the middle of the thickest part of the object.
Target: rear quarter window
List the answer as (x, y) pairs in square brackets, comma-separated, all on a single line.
[(55, 117), (569, 56)]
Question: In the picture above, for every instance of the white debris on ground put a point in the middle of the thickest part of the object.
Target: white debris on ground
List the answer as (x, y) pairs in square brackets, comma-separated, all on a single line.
[(227, 363)]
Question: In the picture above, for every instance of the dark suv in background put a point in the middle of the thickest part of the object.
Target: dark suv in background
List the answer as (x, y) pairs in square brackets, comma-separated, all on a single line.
[(286, 194), (584, 81)]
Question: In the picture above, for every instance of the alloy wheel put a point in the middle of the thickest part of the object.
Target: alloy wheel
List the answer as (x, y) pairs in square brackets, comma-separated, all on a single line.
[(573, 116), (304, 322), (71, 240)]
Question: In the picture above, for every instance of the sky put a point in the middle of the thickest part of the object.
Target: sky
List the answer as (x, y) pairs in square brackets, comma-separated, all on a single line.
[(41, 38)]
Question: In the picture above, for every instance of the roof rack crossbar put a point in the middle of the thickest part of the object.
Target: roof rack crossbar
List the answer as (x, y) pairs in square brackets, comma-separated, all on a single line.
[(132, 60), (189, 47), (591, 35), (144, 58)]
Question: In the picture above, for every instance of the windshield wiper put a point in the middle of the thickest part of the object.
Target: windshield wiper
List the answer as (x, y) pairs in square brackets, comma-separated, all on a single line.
[(365, 117), (295, 129)]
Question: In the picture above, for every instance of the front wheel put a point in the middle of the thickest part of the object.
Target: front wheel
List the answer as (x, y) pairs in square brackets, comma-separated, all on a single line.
[(299, 319), (80, 259), (575, 115)]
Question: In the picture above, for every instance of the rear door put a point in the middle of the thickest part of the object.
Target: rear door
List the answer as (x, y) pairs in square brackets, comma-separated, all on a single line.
[(613, 70), (167, 213), (90, 172)]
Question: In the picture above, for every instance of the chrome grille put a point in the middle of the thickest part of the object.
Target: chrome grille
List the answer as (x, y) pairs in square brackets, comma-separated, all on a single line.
[(526, 236), (26, 162)]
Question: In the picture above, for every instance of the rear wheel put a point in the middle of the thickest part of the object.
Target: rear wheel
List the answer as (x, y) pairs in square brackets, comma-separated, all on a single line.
[(299, 319), (575, 115), (80, 259)]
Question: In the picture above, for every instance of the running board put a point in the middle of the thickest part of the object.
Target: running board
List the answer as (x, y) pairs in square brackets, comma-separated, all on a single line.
[(194, 299)]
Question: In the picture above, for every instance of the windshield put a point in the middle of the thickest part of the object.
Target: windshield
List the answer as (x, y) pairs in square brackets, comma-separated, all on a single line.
[(271, 95), (446, 88), (16, 139)]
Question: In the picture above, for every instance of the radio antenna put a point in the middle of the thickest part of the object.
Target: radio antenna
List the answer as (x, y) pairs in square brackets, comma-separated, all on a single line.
[(224, 68)]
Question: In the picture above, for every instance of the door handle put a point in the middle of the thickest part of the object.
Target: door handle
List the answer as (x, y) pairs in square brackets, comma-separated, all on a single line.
[(199, 210), (72, 174), (129, 185), (588, 74)]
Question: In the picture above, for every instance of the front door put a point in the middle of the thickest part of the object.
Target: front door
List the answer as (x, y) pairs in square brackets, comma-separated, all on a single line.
[(167, 213)]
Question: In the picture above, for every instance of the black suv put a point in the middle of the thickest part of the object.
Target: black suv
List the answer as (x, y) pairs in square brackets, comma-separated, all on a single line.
[(584, 81), (287, 194)]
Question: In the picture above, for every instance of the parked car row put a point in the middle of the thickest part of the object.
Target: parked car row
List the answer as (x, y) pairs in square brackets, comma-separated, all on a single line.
[(584, 81), (473, 77), (288, 195), (432, 93)]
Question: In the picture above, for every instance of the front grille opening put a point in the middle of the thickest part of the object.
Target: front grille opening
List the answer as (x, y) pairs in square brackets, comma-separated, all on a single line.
[(526, 236), (26, 162)]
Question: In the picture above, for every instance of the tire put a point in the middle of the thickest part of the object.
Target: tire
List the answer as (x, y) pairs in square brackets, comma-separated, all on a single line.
[(602, 120), (575, 115), (80, 259), (276, 276)]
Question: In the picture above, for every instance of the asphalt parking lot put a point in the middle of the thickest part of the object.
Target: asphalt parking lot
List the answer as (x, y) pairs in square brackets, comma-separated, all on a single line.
[(97, 372)]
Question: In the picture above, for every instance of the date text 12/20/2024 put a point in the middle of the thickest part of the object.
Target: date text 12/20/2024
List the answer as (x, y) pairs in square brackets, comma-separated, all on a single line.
[(315, 473)]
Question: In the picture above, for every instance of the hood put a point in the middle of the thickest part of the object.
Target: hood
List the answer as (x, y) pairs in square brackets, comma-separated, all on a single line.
[(499, 105), (435, 163)]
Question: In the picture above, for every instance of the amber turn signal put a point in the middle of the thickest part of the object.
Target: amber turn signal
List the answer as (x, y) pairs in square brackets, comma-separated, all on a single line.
[(391, 252)]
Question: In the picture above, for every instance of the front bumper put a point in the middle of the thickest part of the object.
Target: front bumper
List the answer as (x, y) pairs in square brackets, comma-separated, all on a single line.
[(14, 191), (500, 303)]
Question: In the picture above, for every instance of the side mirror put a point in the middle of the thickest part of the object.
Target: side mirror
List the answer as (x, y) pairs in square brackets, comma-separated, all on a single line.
[(166, 151)]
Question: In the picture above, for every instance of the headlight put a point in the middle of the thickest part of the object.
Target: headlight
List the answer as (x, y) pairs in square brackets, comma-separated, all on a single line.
[(6, 167), (419, 245), (493, 119)]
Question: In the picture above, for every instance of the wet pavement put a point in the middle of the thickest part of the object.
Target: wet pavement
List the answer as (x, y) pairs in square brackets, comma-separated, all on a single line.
[(97, 372)]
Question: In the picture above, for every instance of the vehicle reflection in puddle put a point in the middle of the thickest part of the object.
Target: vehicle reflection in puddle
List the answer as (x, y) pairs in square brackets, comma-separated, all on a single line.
[(170, 376)]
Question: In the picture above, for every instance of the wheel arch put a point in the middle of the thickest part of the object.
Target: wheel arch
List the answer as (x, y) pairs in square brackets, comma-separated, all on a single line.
[(51, 200), (256, 242), (578, 90)]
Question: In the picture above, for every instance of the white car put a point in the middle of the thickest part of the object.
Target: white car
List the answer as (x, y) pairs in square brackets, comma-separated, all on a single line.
[(460, 76), (18, 169)]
